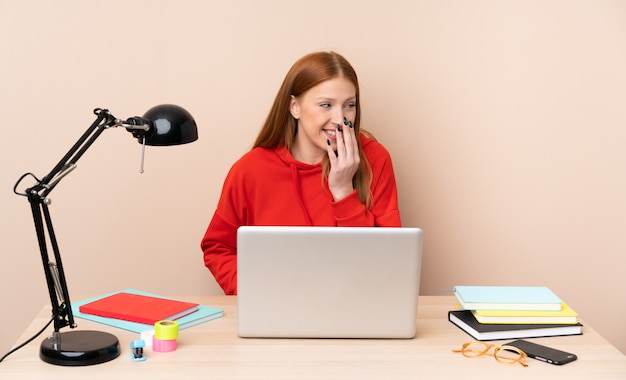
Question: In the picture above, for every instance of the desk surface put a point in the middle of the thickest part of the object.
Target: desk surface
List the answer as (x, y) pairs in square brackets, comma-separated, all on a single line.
[(213, 350)]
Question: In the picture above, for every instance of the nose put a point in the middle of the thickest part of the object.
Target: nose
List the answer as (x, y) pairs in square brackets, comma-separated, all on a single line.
[(339, 117)]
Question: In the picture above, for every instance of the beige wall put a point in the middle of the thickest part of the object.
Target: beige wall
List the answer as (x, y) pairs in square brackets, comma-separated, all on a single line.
[(505, 119)]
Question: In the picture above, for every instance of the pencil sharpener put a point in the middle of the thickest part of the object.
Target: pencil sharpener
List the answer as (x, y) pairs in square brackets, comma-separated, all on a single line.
[(136, 350)]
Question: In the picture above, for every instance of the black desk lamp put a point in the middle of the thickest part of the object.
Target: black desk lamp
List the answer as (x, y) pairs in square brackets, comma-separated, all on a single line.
[(161, 125)]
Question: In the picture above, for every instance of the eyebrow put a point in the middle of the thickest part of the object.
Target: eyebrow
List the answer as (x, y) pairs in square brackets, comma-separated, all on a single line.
[(352, 98)]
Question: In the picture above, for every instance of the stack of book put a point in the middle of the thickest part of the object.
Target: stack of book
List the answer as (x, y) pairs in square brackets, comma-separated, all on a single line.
[(512, 312), (138, 311)]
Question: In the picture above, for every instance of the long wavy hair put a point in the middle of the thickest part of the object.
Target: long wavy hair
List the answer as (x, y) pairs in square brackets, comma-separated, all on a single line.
[(280, 127)]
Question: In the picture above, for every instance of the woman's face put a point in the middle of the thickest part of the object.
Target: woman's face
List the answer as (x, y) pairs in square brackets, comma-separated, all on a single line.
[(319, 111)]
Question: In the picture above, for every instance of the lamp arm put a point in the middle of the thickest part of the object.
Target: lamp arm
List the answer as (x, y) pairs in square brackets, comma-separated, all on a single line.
[(53, 270), (37, 197), (47, 183)]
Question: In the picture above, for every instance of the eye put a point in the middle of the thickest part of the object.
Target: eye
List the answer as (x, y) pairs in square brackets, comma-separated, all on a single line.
[(350, 105), (325, 105)]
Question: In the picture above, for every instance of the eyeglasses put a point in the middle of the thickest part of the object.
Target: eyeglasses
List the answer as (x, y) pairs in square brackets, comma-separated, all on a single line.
[(503, 354)]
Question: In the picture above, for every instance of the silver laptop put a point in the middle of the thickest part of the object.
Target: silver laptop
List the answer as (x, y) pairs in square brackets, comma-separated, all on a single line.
[(328, 282)]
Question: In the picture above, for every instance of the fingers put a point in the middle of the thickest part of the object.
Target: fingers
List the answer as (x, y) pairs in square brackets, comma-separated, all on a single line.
[(345, 155), (347, 147), (346, 151), (344, 161), (332, 154)]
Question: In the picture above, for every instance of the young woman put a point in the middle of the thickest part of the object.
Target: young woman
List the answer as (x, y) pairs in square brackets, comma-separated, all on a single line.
[(311, 165)]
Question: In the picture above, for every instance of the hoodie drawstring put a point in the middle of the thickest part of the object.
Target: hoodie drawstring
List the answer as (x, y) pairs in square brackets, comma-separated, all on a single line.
[(296, 181)]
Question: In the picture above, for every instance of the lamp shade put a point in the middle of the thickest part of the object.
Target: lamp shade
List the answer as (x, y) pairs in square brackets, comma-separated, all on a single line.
[(170, 125)]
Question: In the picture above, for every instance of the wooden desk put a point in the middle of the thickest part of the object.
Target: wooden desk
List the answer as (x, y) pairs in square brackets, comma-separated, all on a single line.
[(213, 351)]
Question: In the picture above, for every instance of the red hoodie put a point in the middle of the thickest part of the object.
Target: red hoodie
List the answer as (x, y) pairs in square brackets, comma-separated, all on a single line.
[(269, 187)]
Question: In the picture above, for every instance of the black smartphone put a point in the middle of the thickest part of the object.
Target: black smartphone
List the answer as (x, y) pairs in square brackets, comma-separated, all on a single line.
[(543, 353)]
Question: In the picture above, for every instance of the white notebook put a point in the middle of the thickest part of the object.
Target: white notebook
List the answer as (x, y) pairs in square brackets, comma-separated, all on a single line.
[(328, 282)]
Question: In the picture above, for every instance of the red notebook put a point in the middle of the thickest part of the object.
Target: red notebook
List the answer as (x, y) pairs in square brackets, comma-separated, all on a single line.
[(138, 308)]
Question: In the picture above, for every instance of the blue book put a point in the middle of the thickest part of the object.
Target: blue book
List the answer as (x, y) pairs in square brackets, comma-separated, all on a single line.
[(507, 298), (204, 314)]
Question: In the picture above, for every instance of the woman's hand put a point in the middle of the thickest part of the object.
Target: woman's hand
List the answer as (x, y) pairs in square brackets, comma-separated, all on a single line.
[(344, 161)]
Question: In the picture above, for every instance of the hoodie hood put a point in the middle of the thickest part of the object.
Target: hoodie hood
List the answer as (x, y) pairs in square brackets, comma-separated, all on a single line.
[(285, 155)]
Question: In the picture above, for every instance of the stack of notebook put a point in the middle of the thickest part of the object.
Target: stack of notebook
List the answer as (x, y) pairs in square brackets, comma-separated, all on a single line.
[(512, 312), (137, 311)]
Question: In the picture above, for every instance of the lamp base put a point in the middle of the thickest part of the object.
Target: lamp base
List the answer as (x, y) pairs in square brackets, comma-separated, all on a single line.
[(80, 348)]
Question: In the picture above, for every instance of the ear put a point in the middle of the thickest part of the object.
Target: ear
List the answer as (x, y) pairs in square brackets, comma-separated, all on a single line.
[(294, 108)]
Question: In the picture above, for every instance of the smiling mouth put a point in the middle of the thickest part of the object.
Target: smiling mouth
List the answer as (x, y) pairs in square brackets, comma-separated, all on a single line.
[(331, 133)]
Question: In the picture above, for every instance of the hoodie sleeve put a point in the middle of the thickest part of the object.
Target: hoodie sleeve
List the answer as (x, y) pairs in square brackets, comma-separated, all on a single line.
[(219, 244), (220, 252), (350, 212)]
